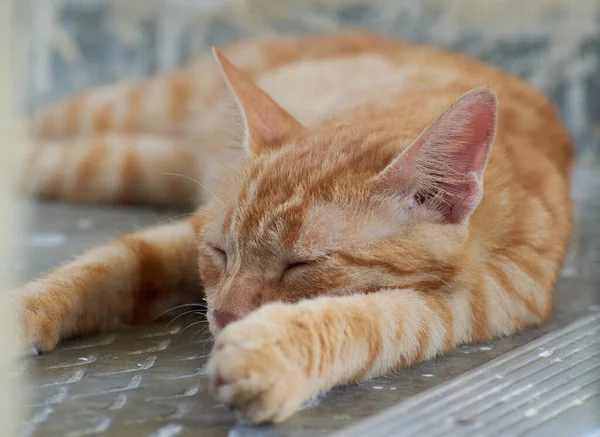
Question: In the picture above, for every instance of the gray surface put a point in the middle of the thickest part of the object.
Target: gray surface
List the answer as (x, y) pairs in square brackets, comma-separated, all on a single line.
[(548, 387), (140, 381)]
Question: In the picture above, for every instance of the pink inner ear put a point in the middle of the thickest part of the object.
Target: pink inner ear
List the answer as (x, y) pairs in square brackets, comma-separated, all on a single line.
[(474, 133), (444, 166)]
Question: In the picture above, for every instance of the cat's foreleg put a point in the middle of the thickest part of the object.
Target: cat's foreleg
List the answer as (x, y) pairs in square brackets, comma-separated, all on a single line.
[(269, 363), (128, 281)]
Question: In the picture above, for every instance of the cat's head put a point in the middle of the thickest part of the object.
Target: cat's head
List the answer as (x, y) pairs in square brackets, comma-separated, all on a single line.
[(342, 210)]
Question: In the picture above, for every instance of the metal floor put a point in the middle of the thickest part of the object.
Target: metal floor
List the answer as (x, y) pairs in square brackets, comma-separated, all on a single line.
[(150, 381)]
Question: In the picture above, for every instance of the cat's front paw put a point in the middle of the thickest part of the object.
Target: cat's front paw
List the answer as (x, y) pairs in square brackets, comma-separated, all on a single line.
[(252, 371), (40, 326)]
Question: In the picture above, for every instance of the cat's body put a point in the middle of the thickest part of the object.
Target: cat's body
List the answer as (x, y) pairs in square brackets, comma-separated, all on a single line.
[(407, 257)]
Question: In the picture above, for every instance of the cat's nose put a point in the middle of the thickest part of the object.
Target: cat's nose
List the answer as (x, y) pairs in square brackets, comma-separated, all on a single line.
[(224, 318)]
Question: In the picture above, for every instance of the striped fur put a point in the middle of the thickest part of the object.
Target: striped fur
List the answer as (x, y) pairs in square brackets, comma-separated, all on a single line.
[(111, 168), (364, 228)]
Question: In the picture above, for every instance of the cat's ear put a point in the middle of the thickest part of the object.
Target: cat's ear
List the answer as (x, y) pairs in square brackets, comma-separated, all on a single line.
[(267, 125), (443, 168)]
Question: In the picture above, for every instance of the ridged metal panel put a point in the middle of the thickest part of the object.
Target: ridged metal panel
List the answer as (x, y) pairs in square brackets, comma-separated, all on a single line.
[(520, 393)]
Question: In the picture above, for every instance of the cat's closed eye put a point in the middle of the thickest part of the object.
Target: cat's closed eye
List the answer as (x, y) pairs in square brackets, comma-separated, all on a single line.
[(297, 266), (219, 253), (294, 267)]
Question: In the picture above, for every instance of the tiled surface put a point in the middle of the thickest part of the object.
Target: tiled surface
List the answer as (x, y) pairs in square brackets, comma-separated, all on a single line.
[(149, 381)]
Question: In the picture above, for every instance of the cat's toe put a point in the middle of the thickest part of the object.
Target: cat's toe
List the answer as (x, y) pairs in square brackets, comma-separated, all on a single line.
[(42, 341), (40, 331), (258, 382), (38, 342)]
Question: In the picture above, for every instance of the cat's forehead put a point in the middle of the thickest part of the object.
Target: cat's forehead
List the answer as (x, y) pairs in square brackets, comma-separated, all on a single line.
[(284, 175), (275, 194), (318, 162), (271, 218), (297, 227), (266, 206)]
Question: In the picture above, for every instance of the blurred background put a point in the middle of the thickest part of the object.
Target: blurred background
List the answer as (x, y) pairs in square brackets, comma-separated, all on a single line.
[(72, 44)]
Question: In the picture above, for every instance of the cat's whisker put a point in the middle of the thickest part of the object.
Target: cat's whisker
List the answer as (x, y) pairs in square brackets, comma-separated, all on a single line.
[(179, 316), (192, 324), (199, 183), (199, 332), (201, 305), (191, 312), (203, 213), (187, 214), (439, 279), (207, 343)]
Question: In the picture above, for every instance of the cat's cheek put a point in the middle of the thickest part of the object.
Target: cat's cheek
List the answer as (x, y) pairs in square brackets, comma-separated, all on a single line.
[(317, 282), (211, 278)]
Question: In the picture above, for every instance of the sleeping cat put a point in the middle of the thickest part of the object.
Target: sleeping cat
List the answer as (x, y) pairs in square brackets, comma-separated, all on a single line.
[(355, 217)]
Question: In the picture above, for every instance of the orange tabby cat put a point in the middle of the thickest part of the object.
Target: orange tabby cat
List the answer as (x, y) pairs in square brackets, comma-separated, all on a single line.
[(349, 235)]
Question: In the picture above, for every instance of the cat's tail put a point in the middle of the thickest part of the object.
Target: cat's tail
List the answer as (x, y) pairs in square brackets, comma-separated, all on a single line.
[(169, 104), (109, 168)]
